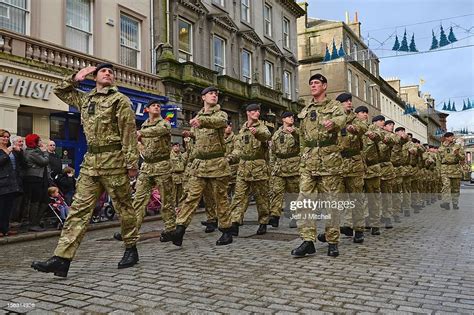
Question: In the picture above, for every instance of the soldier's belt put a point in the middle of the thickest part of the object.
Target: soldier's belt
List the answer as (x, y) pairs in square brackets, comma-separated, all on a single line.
[(372, 163), (348, 153), (157, 159), (450, 163), (320, 144), (209, 156), (104, 148), (286, 155), (252, 157)]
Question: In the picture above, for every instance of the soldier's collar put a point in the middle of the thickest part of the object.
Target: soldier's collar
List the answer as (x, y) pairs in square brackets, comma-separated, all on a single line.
[(148, 122), (106, 90), (212, 109), (323, 102)]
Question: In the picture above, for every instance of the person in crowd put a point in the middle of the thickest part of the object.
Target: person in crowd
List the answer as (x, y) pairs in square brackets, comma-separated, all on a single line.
[(17, 215), (58, 202), (55, 164), (67, 184)]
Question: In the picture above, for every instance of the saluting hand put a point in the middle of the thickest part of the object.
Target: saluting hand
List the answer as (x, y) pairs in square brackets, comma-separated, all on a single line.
[(83, 73)]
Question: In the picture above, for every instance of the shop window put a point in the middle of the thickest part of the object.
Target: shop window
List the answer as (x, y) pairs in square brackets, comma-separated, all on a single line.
[(25, 124)]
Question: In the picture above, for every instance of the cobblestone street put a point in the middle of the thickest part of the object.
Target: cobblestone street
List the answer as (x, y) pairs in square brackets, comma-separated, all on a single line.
[(423, 265)]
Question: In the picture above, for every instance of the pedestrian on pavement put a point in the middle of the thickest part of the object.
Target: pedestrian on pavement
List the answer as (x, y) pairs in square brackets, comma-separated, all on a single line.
[(209, 167), (55, 164), (452, 157), (321, 163), (251, 149), (111, 159)]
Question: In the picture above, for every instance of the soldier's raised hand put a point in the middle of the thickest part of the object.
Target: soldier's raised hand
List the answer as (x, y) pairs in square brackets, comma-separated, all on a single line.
[(83, 73), (371, 135), (186, 135), (328, 124)]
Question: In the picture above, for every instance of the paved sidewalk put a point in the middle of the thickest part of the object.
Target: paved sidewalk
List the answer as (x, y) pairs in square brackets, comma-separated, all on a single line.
[(423, 265)]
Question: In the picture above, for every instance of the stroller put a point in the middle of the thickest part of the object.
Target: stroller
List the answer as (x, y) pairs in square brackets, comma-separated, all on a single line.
[(104, 210), (55, 209)]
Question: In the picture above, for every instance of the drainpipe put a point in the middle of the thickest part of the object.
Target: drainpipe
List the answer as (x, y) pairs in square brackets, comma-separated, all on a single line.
[(152, 40)]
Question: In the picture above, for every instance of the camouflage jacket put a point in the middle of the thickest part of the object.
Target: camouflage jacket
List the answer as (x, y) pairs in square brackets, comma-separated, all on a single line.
[(156, 140), (320, 153), (229, 147), (285, 153), (208, 152), (250, 150), (451, 156), (351, 146), (108, 120), (387, 171), (178, 165), (429, 161), (371, 151)]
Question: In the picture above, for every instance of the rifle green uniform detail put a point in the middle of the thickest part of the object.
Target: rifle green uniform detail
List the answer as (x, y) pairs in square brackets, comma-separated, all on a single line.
[(250, 150), (109, 126), (155, 172), (285, 161), (209, 167), (321, 163)]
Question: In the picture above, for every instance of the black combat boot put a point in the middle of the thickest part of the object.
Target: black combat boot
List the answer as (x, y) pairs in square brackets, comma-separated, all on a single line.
[(211, 227), (226, 237), (347, 230), (332, 250), (130, 258), (455, 206), (118, 236), (359, 237), (178, 234), (306, 248), (262, 229), (406, 213), (396, 218), (274, 221), (234, 230), (166, 236), (322, 237), (57, 265), (445, 205), (416, 208), (375, 231), (388, 223)]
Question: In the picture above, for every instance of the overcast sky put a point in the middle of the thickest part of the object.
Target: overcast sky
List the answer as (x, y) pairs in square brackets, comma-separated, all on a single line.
[(447, 74)]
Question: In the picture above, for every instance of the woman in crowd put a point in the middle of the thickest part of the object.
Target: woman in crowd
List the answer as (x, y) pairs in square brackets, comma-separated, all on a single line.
[(36, 180), (9, 181)]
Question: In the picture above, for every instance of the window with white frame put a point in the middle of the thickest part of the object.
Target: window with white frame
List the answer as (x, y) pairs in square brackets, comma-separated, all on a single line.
[(185, 37), (267, 17), (219, 55), (349, 80), (246, 66), (354, 51), (287, 84), (78, 25), (129, 41), (356, 87), (245, 10), (268, 74), (14, 15), (286, 33), (366, 87)]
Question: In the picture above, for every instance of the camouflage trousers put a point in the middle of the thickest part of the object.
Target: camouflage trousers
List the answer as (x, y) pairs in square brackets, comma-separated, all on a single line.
[(88, 191), (278, 187), (450, 190), (210, 205), (397, 196), (194, 191), (239, 204), (310, 187), (177, 194), (144, 186), (354, 187), (386, 193), (415, 192), (372, 189)]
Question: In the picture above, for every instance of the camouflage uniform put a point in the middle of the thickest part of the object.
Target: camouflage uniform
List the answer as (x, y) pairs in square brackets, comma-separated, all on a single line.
[(155, 171), (178, 163), (415, 177), (372, 176), (285, 160), (399, 159), (354, 169), (209, 167), (109, 126), (321, 162), (429, 162), (250, 150), (229, 147), (387, 172), (451, 156)]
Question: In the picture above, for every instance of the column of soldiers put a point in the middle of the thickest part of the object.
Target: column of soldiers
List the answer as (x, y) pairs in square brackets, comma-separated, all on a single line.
[(334, 154)]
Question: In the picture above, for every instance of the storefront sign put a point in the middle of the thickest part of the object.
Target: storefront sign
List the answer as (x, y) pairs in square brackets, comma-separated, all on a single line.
[(25, 87)]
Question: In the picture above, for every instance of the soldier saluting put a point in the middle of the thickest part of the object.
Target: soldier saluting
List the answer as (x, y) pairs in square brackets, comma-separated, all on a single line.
[(112, 154)]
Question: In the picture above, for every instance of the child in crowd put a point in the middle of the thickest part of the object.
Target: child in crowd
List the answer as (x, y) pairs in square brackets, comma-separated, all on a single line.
[(57, 201)]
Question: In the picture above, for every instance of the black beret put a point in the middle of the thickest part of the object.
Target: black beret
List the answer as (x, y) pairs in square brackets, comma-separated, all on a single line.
[(229, 123), (319, 77), (399, 129), (287, 114), (101, 66), (362, 108), (209, 89), (175, 143), (388, 122), (344, 97), (252, 107), (152, 101), (377, 118), (448, 134)]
